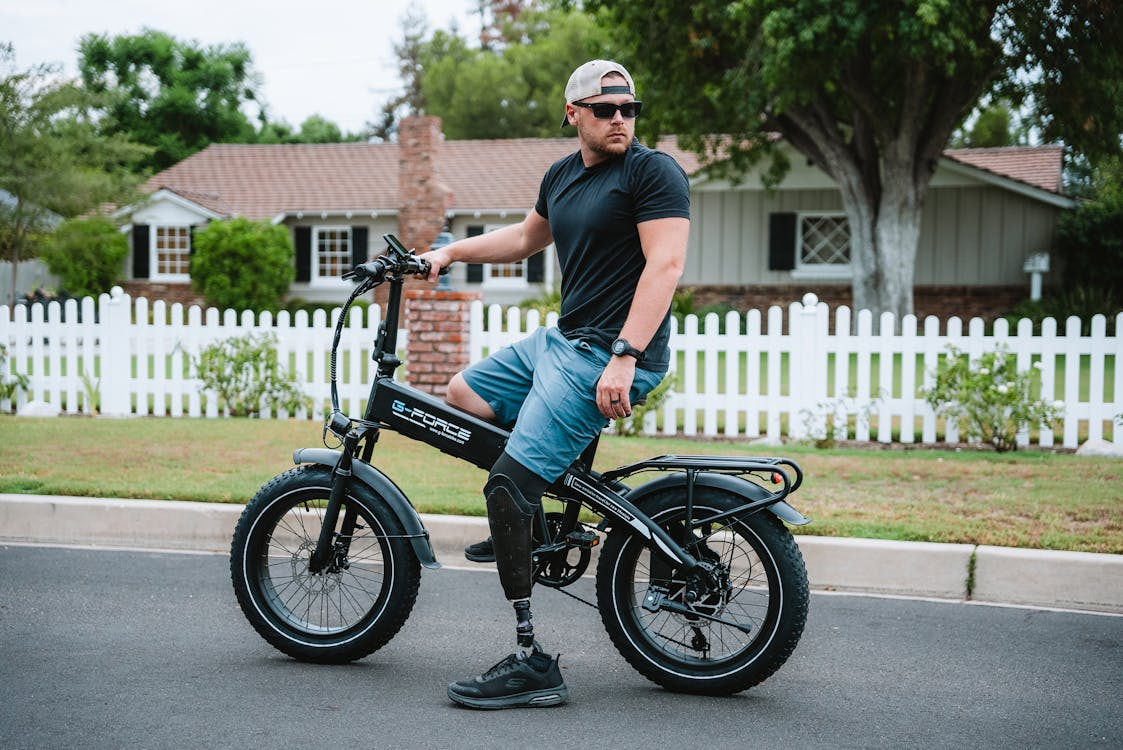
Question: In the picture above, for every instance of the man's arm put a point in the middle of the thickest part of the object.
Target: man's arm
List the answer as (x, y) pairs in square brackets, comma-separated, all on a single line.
[(506, 245), (664, 249)]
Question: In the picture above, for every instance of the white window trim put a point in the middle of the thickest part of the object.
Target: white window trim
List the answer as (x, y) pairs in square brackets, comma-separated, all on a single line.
[(503, 282), (154, 254), (329, 281), (818, 270)]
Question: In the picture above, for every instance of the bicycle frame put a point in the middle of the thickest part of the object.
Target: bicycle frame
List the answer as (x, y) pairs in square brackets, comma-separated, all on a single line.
[(420, 416)]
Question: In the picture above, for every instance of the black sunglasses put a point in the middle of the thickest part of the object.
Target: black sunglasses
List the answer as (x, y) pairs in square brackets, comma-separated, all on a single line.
[(607, 110)]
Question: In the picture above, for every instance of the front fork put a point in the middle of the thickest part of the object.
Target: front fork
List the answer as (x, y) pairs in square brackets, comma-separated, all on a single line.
[(325, 556)]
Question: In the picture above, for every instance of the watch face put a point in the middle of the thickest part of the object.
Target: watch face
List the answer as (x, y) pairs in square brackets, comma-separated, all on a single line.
[(619, 346)]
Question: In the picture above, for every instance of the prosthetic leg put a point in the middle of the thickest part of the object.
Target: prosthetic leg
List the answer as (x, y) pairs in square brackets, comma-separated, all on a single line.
[(514, 495)]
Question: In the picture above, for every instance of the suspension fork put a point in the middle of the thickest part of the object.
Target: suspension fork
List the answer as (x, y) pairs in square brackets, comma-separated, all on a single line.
[(324, 553)]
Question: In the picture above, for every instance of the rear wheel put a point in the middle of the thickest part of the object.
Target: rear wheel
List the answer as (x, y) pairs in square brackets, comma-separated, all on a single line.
[(351, 608), (714, 633)]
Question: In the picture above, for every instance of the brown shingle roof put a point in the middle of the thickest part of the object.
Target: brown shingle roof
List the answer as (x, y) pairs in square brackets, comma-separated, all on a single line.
[(264, 181), (1039, 166)]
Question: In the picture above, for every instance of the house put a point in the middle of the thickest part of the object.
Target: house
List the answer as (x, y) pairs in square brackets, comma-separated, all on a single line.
[(987, 211)]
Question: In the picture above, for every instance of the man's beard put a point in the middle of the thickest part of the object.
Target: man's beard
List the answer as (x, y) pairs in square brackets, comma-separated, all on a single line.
[(602, 146)]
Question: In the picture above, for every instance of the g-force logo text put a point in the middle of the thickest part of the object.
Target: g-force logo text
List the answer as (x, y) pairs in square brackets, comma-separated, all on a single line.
[(431, 422)]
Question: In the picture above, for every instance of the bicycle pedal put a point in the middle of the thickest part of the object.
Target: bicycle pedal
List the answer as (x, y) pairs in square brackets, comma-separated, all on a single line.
[(582, 539)]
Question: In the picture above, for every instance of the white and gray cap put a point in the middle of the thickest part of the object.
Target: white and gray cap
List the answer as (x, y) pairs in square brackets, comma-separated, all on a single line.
[(586, 82)]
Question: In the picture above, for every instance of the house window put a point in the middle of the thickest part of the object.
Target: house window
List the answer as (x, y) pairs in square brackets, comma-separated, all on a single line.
[(504, 274), (823, 244), (332, 252), (171, 248)]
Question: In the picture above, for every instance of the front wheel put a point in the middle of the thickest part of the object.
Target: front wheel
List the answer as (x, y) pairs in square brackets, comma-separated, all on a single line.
[(713, 634), (352, 607)]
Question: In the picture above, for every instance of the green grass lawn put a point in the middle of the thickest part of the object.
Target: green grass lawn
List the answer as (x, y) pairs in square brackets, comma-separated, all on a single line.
[(1025, 499)]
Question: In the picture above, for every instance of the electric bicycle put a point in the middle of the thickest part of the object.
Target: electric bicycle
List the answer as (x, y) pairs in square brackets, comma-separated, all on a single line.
[(699, 583)]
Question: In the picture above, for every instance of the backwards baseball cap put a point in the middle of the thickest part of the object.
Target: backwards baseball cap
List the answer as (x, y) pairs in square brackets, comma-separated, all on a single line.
[(586, 82)]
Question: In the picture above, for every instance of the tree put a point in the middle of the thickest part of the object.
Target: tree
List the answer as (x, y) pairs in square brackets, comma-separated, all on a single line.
[(86, 254), (314, 129), (242, 264), (53, 163), (171, 95), (414, 25), (991, 126), (871, 93), (514, 87), (510, 85)]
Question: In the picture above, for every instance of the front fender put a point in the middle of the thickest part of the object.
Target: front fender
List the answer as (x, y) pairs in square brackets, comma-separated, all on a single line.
[(385, 488), (733, 484)]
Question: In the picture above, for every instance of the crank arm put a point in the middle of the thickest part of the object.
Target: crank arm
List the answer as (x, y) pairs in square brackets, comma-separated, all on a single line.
[(656, 601)]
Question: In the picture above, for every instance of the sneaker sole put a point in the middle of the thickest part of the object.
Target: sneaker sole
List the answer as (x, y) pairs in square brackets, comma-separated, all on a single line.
[(480, 558), (532, 699)]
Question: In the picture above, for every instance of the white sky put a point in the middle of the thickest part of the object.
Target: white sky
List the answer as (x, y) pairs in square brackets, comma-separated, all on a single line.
[(334, 58)]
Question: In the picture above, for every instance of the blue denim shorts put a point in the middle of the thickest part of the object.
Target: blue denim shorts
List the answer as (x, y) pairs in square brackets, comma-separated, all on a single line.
[(546, 386)]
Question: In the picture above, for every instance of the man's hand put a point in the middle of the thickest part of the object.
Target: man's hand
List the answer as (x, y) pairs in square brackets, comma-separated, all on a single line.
[(614, 386), (437, 259)]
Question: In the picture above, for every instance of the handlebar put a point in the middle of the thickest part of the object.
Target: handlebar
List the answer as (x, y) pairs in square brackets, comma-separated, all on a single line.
[(395, 262)]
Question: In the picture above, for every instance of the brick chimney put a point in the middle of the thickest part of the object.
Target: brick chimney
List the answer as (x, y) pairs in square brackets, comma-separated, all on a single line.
[(422, 198)]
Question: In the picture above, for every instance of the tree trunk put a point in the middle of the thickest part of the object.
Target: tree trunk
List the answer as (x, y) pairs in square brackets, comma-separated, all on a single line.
[(884, 237)]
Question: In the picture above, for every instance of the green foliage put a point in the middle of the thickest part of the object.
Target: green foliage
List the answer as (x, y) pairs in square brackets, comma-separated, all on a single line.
[(242, 264), (86, 255), (633, 425), (171, 95), (11, 382), (683, 304), (315, 129), (246, 376), (1089, 237), (511, 87), (989, 398), (53, 162), (548, 301), (828, 422), (993, 125), (1082, 302)]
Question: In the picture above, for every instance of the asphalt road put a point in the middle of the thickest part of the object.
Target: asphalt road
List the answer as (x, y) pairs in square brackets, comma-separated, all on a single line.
[(111, 649)]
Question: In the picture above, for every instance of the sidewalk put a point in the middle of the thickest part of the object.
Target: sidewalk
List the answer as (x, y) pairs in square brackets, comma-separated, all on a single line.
[(1067, 580)]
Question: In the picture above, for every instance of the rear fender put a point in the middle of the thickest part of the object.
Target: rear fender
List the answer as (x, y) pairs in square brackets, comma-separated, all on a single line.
[(732, 484), (384, 488)]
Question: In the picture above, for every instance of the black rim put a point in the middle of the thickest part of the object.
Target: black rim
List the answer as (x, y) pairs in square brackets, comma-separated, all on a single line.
[(341, 599), (741, 603)]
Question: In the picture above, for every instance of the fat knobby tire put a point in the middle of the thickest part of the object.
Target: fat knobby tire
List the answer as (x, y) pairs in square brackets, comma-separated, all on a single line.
[(268, 560)]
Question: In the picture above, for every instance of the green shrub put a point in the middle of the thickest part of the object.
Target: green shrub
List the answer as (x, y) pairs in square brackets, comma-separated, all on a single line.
[(989, 399), (11, 382), (1089, 238), (1081, 301), (246, 376), (86, 254), (633, 425), (242, 264), (547, 302)]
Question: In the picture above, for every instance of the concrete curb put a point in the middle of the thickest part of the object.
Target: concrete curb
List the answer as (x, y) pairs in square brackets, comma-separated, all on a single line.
[(1071, 580)]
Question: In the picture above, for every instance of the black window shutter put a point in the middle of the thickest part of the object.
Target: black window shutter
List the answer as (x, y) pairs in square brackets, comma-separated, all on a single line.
[(360, 252), (140, 251), (781, 241), (302, 237), (191, 239), (475, 270), (536, 267)]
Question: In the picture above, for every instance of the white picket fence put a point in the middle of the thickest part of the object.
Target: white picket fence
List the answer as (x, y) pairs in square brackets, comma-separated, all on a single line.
[(753, 381), (758, 378), (138, 358)]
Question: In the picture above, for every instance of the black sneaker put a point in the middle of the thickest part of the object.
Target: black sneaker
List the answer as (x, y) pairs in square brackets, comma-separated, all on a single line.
[(514, 683), (481, 551)]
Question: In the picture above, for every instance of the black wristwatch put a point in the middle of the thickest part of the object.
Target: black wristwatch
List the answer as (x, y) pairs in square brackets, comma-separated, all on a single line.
[(621, 347)]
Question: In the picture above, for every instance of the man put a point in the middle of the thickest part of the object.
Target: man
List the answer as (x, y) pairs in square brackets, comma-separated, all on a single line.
[(619, 215)]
